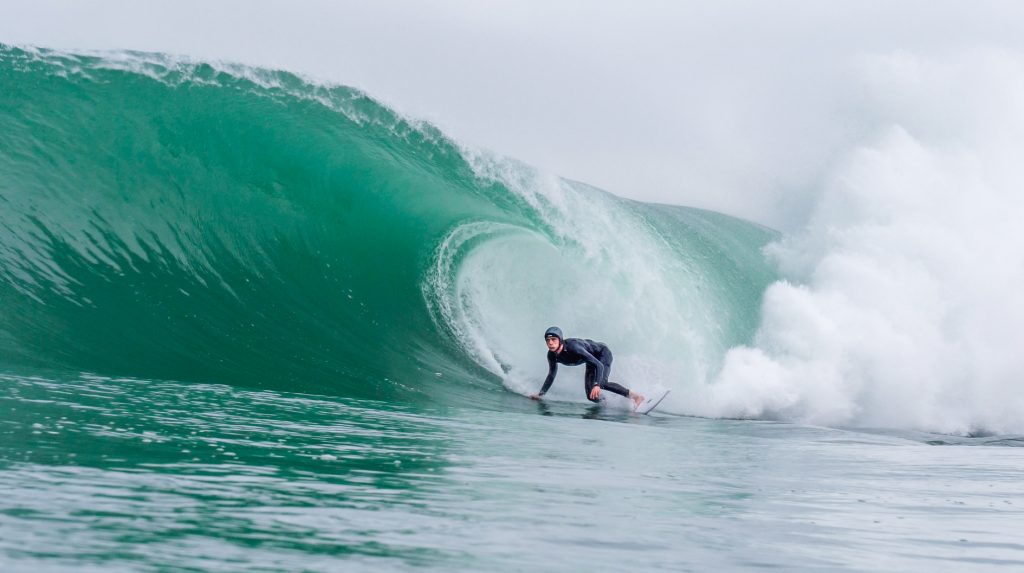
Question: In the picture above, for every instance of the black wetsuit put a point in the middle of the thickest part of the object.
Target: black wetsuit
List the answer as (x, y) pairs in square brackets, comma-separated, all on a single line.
[(596, 355)]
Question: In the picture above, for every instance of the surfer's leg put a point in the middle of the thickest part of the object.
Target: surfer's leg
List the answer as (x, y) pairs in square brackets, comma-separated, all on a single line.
[(619, 389), (606, 359), (616, 388)]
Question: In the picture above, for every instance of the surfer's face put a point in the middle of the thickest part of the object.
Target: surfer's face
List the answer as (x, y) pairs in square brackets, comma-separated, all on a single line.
[(553, 343)]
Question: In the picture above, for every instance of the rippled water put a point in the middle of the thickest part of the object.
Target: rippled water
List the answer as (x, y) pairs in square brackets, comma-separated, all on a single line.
[(119, 474)]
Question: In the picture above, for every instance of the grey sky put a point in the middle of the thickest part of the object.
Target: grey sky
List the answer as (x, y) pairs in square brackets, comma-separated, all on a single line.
[(738, 106)]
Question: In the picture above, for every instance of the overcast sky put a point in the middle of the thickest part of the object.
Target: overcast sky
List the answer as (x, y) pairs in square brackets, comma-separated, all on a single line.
[(738, 106)]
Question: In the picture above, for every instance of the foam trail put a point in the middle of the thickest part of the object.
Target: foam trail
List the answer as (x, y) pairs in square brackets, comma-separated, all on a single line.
[(902, 304)]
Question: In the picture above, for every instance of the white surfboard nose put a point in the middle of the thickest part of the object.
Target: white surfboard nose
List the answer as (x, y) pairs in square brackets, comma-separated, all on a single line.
[(651, 403)]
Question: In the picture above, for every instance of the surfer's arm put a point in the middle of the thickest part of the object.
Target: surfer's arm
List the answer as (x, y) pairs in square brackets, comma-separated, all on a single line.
[(552, 370)]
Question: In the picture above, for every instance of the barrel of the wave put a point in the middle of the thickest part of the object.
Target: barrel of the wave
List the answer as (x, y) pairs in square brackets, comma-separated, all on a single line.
[(672, 289)]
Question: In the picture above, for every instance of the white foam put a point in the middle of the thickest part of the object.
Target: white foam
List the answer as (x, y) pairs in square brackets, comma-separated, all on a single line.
[(903, 304)]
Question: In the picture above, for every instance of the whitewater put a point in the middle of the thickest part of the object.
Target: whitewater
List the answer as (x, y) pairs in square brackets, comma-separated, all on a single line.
[(250, 320)]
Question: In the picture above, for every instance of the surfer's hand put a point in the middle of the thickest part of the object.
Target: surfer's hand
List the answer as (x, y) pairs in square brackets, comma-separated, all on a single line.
[(535, 396), (595, 392)]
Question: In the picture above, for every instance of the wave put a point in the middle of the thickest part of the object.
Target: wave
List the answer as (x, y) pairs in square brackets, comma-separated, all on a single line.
[(174, 219)]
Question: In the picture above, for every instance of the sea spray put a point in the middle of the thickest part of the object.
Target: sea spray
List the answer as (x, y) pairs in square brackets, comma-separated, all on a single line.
[(901, 304)]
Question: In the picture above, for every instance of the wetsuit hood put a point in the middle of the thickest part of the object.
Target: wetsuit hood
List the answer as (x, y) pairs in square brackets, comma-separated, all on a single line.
[(554, 331)]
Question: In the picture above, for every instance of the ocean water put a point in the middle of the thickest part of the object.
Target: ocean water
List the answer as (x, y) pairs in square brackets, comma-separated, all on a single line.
[(249, 321)]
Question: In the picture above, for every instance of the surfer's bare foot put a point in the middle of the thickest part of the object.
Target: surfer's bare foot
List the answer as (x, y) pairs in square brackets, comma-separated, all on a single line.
[(637, 400)]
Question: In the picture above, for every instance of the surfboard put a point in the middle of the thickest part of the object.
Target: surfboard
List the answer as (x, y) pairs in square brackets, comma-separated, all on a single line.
[(651, 403)]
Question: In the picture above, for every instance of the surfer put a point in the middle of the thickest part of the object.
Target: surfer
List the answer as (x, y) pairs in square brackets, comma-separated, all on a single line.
[(576, 351)]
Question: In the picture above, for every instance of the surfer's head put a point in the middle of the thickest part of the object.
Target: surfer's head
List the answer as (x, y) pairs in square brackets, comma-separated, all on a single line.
[(553, 336)]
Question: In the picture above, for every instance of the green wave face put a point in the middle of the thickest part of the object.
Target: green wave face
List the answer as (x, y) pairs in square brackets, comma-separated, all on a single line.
[(170, 219)]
